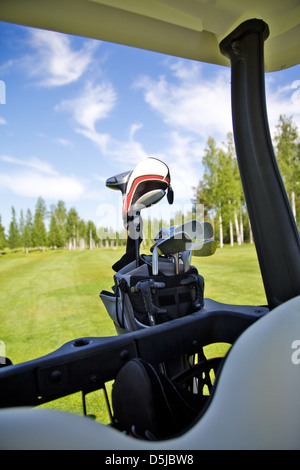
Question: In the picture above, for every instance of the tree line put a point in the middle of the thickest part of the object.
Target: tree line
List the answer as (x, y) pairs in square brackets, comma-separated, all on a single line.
[(59, 228), (65, 229), (220, 189)]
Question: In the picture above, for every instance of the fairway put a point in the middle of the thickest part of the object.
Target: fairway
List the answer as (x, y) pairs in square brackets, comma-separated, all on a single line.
[(49, 298)]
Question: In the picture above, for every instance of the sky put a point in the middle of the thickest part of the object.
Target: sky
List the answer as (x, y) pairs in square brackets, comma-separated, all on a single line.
[(76, 111)]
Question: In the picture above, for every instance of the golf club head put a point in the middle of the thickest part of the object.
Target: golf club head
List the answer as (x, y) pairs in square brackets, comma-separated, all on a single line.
[(148, 199), (119, 181), (195, 229), (174, 244), (205, 248), (146, 185), (200, 249)]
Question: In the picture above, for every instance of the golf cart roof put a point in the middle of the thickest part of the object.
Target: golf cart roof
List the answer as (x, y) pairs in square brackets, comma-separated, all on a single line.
[(191, 29)]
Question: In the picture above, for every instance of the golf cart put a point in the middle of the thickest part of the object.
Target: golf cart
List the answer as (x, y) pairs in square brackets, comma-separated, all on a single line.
[(254, 401)]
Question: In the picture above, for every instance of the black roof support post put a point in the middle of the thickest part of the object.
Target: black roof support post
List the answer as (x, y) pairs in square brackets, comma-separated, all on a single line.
[(273, 225)]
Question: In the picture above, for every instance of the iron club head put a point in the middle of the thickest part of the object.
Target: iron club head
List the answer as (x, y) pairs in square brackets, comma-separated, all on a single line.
[(205, 248), (195, 229)]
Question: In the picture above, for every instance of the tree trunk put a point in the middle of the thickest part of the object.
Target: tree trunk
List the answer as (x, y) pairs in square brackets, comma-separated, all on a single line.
[(231, 232), (241, 227), (91, 239), (293, 203), (251, 234), (238, 233), (221, 231)]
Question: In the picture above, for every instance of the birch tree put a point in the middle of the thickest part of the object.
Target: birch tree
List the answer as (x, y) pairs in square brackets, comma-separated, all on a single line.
[(13, 234), (28, 231), (220, 189), (71, 228), (288, 157), (39, 229)]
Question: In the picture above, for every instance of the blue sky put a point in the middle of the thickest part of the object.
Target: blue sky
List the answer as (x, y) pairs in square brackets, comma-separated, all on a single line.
[(76, 111)]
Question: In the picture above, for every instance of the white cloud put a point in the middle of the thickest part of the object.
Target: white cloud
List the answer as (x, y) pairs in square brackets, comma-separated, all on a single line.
[(34, 163), (195, 107), (2, 121), (95, 103), (129, 151), (54, 62), (283, 99), (30, 184), (184, 156), (6, 66), (191, 103), (40, 179), (64, 142), (133, 129)]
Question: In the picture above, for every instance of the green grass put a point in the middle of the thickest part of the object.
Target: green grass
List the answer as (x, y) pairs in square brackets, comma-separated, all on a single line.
[(232, 275), (49, 298)]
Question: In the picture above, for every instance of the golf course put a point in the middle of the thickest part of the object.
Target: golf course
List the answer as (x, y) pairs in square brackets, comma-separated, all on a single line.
[(51, 297)]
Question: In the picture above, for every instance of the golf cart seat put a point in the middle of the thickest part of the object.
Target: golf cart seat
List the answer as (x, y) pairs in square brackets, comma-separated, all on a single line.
[(255, 404)]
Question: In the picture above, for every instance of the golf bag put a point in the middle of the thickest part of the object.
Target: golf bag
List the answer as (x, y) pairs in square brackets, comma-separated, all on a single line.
[(154, 401), (140, 300)]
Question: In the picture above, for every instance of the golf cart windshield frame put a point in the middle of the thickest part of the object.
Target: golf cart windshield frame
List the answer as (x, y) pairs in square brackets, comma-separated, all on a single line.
[(86, 364)]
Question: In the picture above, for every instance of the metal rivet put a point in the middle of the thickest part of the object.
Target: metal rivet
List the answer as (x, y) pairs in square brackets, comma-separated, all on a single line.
[(55, 376), (124, 355)]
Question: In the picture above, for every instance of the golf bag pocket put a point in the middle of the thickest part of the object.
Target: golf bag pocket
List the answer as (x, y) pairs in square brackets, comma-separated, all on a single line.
[(109, 301)]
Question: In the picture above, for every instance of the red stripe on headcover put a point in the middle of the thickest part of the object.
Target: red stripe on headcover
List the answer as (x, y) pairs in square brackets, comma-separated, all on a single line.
[(136, 182)]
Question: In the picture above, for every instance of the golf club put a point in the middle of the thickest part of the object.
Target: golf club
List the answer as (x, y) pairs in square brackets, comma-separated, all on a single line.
[(201, 249), (206, 248), (195, 229), (142, 187), (169, 247)]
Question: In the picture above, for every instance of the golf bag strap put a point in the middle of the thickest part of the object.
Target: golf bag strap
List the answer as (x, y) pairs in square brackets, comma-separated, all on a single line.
[(151, 309), (123, 304)]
